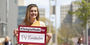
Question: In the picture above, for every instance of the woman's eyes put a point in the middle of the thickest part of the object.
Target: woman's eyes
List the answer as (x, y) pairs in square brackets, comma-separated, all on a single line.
[(33, 11)]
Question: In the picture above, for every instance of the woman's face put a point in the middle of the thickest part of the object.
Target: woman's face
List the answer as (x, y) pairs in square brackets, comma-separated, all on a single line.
[(33, 13)]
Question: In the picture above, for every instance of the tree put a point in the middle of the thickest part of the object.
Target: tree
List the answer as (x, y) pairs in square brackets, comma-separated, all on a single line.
[(47, 21), (67, 32), (83, 12)]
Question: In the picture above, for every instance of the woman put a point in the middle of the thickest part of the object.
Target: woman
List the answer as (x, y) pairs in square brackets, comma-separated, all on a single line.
[(32, 19), (80, 41), (7, 41)]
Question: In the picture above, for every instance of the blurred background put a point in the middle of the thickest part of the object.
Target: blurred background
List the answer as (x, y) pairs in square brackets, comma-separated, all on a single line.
[(67, 20)]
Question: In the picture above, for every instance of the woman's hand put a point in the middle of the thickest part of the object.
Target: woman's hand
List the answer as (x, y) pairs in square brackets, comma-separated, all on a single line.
[(16, 32), (48, 37)]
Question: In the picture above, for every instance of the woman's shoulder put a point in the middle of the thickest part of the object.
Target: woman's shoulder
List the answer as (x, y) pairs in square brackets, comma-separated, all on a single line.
[(42, 23)]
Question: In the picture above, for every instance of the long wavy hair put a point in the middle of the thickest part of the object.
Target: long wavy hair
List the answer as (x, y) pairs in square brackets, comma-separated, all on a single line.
[(27, 17)]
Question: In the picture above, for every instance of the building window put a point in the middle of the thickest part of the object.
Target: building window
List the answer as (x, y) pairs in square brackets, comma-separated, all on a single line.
[(2, 29), (54, 9)]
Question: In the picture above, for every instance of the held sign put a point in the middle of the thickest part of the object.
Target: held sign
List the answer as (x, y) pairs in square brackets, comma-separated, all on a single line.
[(32, 35)]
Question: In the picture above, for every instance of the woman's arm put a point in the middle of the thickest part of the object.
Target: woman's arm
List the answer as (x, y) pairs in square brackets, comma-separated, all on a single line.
[(16, 33), (48, 37)]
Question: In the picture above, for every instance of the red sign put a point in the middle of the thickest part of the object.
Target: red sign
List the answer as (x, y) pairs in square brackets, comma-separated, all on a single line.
[(32, 35)]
